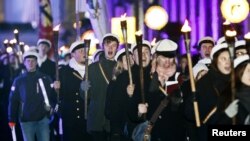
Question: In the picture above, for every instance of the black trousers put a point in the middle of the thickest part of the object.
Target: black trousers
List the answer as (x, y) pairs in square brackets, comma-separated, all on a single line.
[(100, 136)]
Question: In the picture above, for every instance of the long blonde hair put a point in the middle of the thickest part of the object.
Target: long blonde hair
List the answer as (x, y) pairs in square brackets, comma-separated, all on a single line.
[(118, 69)]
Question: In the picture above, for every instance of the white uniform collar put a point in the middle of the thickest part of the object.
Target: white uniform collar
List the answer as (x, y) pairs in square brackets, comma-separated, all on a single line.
[(76, 66), (168, 83)]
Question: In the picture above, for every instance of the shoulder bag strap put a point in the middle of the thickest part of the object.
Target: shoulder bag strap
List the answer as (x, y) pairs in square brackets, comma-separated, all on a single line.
[(103, 73)]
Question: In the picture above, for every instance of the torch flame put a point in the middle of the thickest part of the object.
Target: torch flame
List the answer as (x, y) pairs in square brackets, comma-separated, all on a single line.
[(15, 31), (227, 22), (124, 16), (247, 36), (153, 42), (138, 33), (57, 27), (21, 43), (26, 48), (9, 49), (230, 33), (5, 41), (13, 41), (186, 27)]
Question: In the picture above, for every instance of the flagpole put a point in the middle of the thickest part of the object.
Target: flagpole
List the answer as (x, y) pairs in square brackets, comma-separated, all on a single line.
[(77, 21)]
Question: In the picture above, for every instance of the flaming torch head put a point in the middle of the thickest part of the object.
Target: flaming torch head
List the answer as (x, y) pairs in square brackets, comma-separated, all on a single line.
[(16, 33), (186, 29), (87, 43), (230, 36), (6, 42), (56, 28), (138, 37), (123, 22)]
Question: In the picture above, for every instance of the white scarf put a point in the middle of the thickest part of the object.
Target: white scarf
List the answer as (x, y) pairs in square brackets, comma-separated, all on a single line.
[(76, 66), (41, 60)]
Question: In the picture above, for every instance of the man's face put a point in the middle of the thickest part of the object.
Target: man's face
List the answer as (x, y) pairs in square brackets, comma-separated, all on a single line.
[(240, 52), (145, 56), (110, 49), (206, 50), (43, 49), (30, 64), (79, 55), (223, 63)]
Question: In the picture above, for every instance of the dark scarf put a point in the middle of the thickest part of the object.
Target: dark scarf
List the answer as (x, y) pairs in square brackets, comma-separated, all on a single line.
[(243, 93), (220, 81)]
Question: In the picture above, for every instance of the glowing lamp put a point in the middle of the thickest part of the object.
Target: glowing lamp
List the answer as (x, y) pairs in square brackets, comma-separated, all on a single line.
[(235, 11), (156, 17)]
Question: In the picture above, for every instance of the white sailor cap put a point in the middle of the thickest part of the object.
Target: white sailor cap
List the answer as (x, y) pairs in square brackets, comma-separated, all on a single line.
[(217, 48), (30, 54), (240, 44), (44, 41), (144, 43), (97, 53), (206, 39), (222, 40), (240, 60), (120, 53), (166, 48), (199, 67), (110, 35), (33, 48), (205, 61), (76, 45)]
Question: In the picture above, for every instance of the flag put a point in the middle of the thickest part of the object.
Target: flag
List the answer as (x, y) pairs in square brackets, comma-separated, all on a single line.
[(98, 17), (81, 6), (46, 21)]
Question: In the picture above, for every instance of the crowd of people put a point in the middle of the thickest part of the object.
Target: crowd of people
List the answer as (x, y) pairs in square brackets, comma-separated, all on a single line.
[(122, 89)]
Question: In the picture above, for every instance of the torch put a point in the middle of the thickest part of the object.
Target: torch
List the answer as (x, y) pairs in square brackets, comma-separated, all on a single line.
[(19, 51), (226, 26), (138, 37), (6, 43), (247, 39), (230, 39), (21, 44), (87, 48), (16, 34), (56, 56), (186, 29), (124, 33)]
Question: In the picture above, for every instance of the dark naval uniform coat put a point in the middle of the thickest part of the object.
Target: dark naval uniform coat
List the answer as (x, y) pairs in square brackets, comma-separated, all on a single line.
[(72, 105)]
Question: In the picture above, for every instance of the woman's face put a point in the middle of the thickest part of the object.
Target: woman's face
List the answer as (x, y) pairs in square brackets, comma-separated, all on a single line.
[(223, 63), (165, 66), (124, 61), (245, 79)]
